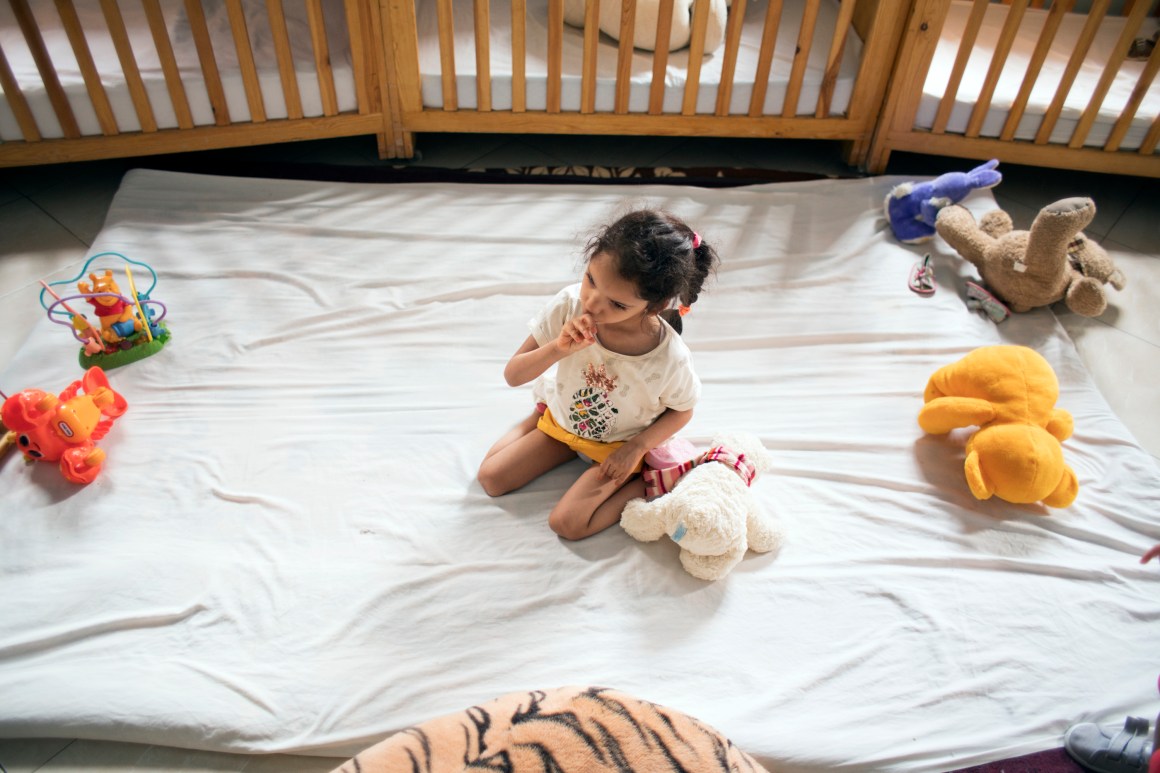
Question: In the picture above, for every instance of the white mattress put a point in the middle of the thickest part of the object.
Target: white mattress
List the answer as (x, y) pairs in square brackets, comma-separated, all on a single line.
[(1042, 95), (500, 62), (287, 550), (104, 54)]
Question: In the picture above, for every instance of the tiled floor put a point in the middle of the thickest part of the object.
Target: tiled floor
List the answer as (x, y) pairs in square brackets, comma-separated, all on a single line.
[(49, 217)]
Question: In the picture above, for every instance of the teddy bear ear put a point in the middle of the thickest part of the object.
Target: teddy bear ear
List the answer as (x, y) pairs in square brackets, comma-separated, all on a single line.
[(976, 479), (1065, 493)]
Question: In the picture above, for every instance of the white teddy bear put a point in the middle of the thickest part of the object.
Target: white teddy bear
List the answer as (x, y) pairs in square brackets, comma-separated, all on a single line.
[(645, 27), (711, 513)]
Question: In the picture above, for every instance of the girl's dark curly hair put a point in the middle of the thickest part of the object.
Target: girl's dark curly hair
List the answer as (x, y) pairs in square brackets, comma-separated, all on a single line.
[(655, 251)]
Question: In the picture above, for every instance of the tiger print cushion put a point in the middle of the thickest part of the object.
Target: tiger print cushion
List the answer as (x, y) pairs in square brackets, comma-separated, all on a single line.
[(569, 729)]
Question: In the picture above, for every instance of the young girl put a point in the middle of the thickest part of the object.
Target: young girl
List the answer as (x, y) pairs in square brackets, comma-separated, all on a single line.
[(624, 380)]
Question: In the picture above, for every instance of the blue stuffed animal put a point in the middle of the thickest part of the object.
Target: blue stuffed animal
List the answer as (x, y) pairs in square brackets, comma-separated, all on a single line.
[(912, 207)]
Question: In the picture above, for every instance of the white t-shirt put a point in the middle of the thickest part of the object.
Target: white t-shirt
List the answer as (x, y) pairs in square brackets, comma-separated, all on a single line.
[(602, 395)]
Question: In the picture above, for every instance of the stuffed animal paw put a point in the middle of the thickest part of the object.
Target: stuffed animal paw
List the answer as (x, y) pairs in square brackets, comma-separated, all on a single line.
[(1009, 392), (710, 511)]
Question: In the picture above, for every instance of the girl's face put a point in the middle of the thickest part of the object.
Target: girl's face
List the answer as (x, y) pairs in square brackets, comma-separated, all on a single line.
[(607, 297)]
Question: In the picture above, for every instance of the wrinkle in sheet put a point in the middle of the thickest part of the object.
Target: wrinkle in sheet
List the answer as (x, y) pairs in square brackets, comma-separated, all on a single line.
[(62, 637)]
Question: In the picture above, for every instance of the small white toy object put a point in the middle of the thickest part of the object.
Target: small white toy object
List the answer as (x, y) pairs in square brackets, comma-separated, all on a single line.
[(710, 511)]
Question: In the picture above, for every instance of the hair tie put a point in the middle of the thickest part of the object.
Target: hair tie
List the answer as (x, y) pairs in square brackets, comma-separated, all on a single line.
[(696, 240), (683, 310)]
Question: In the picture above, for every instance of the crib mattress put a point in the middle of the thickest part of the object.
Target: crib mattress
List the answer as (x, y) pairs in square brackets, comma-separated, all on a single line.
[(1048, 82), (287, 549), (500, 62), (104, 54)]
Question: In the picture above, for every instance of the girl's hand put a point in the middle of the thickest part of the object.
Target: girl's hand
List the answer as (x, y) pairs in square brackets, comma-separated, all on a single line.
[(621, 464), (1152, 553), (578, 333)]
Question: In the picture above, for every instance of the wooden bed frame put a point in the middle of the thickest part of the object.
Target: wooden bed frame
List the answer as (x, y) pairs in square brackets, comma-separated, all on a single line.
[(877, 22), (898, 46), (369, 63), (897, 128)]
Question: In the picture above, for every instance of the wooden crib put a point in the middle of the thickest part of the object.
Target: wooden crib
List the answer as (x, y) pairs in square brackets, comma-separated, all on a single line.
[(88, 79), (786, 68), (1045, 86)]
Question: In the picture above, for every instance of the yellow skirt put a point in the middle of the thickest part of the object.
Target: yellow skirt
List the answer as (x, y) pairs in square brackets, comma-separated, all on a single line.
[(593, 449)]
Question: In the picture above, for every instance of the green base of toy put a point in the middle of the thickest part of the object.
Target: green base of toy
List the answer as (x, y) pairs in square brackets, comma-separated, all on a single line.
[(119, 357)]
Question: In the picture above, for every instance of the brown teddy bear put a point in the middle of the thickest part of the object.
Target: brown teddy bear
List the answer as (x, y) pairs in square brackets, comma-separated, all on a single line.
[(1053, 261)]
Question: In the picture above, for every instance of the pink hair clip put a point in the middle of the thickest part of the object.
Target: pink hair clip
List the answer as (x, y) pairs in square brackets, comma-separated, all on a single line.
[(696, 240)]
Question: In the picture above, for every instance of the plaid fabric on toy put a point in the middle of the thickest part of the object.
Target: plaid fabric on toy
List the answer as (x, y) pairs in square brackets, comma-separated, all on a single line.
[(661, 481)]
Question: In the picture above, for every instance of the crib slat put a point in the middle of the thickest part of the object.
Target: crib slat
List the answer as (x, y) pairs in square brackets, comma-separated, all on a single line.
[(1148, 146), (966, 45), (800, 59), (1124, 122), (1095, 16), (285, 56), (656, 94), (998, 60), (519, 56), (246, 60), (624, 55), (729, 61), (92, 78), (482, 55), (765, 58), (129, 67), (356, 28), (177, 95), (17, 101), (56, 95), (322, 66), (1119, 54), (209, 68), (446, 15), (834, 59), (696, 56), (1034, 66), (588, 65), (555, 53)]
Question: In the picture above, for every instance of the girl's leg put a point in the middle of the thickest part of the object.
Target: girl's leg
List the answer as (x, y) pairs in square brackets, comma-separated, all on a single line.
[(592, 504), (519, 457), (514, 434)]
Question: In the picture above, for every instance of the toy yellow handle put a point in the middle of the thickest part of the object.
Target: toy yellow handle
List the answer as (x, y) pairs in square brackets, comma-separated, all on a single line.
[(7, 440)]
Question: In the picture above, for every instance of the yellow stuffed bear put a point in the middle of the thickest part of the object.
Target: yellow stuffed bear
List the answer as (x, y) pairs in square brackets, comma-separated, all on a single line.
[(1009, 392)]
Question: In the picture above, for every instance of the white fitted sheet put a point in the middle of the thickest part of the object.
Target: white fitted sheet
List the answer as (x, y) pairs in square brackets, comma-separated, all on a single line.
[(1051, 74), (287, 550), (676, 72), (104, 55)]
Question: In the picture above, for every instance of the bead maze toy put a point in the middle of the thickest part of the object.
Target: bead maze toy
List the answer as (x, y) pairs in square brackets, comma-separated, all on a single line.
[(65, 428), (130, 327)]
